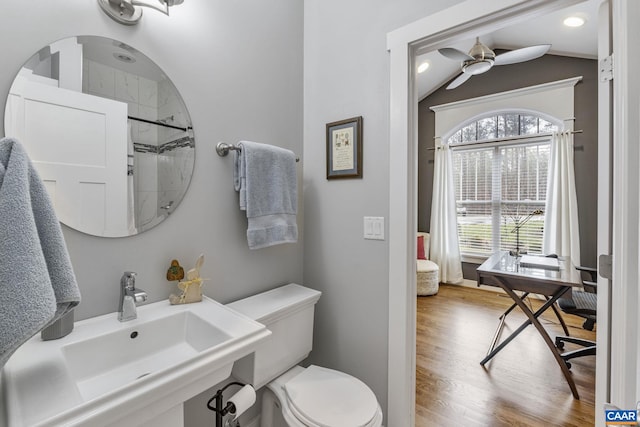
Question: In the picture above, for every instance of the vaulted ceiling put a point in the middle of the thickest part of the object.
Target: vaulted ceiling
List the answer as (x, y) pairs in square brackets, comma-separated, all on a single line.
[(549, 29)]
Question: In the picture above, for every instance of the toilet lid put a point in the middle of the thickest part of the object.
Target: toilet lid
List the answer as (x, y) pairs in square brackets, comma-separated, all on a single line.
[(329, 398)]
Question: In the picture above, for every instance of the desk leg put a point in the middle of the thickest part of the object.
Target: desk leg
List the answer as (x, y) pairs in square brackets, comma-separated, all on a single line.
[(559, 316), (533, 318), (502, 319), (522, 327), (514, 305), (504, 343)]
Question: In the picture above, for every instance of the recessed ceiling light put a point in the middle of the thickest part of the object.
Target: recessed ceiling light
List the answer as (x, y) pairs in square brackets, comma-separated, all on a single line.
[(423, 67), (124, 57), (574, 21)]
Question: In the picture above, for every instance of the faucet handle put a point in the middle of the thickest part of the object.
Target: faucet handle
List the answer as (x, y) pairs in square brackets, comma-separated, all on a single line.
[(139, 296)]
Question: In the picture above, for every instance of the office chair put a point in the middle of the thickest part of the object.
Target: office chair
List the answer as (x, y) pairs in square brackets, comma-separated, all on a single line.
[(583, 304)]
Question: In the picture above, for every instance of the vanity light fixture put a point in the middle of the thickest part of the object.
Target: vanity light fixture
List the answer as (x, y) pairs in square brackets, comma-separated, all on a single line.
[(128, 12)]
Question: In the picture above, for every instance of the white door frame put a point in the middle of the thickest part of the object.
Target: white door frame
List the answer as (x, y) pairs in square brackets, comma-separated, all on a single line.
[(604, 209), (429, 33), (625, 298)]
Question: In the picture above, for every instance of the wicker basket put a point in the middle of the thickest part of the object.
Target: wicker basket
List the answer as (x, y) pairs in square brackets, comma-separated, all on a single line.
[(428, 275)]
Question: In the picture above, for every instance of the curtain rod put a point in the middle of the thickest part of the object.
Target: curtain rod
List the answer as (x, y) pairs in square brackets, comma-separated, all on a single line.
[(513, 138), (158, 123)]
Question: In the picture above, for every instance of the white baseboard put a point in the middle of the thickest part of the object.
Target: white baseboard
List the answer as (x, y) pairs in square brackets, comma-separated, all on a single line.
[(474, 284)]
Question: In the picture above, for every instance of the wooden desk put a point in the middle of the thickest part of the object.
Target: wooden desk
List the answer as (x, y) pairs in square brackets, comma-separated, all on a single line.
[(504, 271)]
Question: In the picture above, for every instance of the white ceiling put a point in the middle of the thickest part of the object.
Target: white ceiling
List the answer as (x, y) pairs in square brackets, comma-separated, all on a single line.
[(549, 29)]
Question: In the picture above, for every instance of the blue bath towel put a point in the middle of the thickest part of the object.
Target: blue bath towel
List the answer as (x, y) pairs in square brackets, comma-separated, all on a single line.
[(37, 283), (266, 179)]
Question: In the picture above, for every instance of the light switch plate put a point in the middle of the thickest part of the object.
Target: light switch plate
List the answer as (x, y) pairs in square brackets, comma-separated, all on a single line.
[(374, 227)]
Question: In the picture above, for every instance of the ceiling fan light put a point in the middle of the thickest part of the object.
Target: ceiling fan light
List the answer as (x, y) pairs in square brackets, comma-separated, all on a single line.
[(574, 21), (477, 67)]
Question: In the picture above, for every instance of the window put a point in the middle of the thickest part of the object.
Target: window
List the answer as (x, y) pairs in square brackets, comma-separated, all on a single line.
[(501, 126), (500, 172)]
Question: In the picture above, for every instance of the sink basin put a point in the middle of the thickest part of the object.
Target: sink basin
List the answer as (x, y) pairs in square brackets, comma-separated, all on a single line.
[(125, 356), (108, 372)]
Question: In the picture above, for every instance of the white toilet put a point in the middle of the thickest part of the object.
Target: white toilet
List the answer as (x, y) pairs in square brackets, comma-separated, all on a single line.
[(297, 396)]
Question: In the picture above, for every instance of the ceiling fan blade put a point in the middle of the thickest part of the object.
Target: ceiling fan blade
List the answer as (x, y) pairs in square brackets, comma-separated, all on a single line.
[(522, 55), (459, 80), (456, 54)]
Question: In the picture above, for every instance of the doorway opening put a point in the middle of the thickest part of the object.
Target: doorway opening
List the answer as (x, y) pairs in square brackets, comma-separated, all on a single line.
[(406, 44)]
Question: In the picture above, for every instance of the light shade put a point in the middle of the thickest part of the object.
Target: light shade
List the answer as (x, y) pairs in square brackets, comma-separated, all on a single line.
[(477, 67)]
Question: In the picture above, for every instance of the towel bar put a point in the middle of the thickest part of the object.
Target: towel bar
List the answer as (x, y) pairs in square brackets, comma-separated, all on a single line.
[(223, 149)]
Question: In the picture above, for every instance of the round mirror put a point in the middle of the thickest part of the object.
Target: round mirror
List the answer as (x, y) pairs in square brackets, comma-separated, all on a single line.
[(107, 131)]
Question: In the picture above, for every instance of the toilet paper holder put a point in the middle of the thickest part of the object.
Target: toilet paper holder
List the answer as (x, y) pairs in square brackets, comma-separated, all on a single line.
[(236, 404)]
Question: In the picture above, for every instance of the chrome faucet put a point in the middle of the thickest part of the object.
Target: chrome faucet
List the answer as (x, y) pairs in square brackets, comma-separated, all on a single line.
[(129, 297)]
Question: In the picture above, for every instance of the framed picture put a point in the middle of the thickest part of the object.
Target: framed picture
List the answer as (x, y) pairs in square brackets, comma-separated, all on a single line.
[(344, 149)]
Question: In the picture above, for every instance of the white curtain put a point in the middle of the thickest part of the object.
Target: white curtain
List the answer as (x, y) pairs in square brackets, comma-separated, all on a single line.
[(561, 231), (445, 250)]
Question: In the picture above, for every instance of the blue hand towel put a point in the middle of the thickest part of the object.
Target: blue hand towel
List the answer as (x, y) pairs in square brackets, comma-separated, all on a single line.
[(37, 283), (266, 179)]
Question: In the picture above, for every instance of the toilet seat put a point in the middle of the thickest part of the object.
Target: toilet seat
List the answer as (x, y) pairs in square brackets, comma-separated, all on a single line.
[(321, 397)]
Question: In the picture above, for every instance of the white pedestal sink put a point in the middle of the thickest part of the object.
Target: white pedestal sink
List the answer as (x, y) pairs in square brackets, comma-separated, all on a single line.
[(108, 372)]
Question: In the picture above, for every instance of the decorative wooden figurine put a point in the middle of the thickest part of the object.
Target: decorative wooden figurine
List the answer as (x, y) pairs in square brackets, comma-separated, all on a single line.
[(175, 272), (191, 288)]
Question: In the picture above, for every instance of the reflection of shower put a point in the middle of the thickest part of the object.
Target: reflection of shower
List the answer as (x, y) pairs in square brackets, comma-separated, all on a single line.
[(167, 207)]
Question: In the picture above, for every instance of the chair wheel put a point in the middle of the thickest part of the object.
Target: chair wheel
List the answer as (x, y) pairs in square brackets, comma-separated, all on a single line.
[(559, 344), (568, 364)]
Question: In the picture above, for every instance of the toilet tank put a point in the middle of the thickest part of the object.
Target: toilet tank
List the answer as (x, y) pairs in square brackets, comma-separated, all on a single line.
[(287, 312)]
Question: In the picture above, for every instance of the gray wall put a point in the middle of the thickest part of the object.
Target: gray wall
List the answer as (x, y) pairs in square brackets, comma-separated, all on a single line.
[(347, 75), (546, 69), (238, 66)]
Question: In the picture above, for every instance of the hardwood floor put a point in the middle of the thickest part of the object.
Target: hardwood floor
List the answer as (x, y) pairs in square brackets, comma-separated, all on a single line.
[(521, 386)]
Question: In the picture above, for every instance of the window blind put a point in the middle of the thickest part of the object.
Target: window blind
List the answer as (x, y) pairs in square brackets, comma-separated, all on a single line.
[(524, 172), (498, 190), (474, 201)]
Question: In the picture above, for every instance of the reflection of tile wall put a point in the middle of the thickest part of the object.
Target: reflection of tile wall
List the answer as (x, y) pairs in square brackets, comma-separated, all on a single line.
[(140, 94), (175, 162), (145, 182), (171, 110), (175, 168), (161, 171)]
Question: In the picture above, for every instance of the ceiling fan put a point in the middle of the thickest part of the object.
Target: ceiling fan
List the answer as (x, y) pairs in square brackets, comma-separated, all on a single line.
[(480, 59)]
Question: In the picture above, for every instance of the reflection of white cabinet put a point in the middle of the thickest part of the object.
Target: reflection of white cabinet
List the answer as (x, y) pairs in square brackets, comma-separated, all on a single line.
[(77, 143)]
